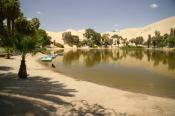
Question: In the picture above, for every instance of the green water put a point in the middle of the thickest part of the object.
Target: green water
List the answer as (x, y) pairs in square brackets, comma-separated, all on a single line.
[(137, 70)]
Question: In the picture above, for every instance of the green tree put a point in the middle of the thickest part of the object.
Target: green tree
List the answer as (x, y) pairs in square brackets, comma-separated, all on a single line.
[(9, 11), (67, 38), (157, 39), (42, 37), (149, 40), (25, 42), (70, 39), (171, 38), (18, 32), (105, 40), (76, 40), (93, 37), (139, 40)]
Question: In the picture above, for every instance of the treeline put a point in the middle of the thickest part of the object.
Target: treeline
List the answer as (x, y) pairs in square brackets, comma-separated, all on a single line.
[(95, 39), (157, 41)]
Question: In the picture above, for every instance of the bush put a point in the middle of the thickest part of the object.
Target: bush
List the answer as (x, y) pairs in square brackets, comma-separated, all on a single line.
[(133, 47)]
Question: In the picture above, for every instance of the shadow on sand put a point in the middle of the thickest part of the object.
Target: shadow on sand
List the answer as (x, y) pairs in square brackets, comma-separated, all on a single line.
[(5, 68), (36, 87), (44, 89)]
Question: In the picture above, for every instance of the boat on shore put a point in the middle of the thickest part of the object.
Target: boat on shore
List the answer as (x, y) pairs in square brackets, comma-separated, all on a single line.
[(48, 58)]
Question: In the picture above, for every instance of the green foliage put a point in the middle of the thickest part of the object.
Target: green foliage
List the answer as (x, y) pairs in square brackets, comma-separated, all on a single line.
[(20, 34), (171, 41), (149, 41), (70, 39), (25, 27), (42, 38), (106, 40), (162, 41), (132, 47), (139, 40), (25, 44), (35, 23), (89, 34), (93, 37), (67, 38), (75, 40), (171, 38)]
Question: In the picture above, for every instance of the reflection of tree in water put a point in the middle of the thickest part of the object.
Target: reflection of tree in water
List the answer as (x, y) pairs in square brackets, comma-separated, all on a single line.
[(137, 53), (71, 57), (92, 57), (148, 54), (171, 60), (116, 55), (106, 55), (164, 57), (95, 56)]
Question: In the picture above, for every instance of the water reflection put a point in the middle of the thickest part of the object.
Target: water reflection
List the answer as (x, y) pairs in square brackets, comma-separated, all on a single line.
[(137, 70), (95, 56)]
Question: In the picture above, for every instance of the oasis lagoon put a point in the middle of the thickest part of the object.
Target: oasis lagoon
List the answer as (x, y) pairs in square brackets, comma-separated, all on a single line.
[(144, 71)]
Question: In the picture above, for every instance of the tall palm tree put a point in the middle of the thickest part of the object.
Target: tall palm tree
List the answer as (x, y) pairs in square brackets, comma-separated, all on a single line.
[(12, 11), (2, 17), (9, 11)]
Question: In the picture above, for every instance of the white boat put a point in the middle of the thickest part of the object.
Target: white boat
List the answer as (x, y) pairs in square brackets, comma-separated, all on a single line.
[(48, 58)]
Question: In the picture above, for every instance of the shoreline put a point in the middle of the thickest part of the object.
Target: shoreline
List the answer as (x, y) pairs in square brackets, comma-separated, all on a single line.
[(161, 49), (123, 101)]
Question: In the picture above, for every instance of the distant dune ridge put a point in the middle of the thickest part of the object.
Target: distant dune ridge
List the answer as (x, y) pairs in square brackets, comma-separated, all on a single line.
[(163, 26)]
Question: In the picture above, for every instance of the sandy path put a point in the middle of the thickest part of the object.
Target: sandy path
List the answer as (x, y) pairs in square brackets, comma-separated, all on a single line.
[(58, 90)]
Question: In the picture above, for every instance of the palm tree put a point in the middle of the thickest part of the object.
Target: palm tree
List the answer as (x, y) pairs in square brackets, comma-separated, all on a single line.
[(12, 11), (2, 17), (25, 42), (9, 10)]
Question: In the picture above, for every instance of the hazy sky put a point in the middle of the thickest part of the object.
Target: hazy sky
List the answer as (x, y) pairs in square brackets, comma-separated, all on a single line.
[(101, 15)]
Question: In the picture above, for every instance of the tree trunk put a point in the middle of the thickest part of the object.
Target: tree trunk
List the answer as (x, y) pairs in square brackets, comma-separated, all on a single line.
[(22, 74), (8, 56), (9, 26), (13, 27), (8, 53)]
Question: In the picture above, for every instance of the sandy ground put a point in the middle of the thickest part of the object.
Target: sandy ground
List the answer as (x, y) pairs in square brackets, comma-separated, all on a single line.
[(49, 93)]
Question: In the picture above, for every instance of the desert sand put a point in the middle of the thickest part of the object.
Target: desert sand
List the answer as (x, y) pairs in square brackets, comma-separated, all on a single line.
[(163, 26), (47, 92)]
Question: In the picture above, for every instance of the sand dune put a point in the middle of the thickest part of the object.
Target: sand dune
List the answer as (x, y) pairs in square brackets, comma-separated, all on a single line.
[(163, 26)]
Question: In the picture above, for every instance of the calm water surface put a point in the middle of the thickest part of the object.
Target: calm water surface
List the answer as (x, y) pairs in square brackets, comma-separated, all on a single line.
[(137, 70)]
